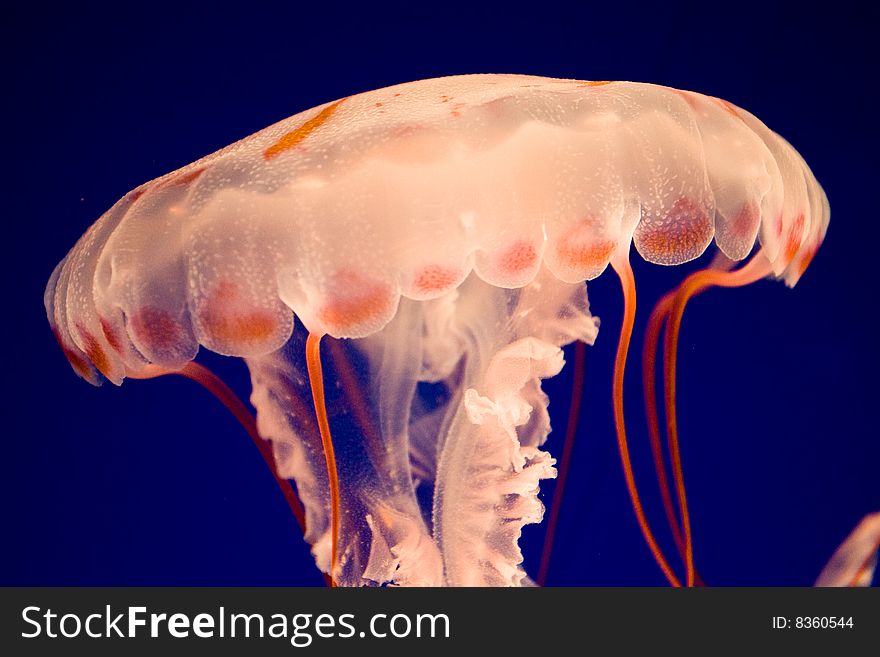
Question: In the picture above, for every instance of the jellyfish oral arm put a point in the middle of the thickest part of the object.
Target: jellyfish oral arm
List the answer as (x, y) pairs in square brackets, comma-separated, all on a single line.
[(491, 462), (490, 347), (489, 479)]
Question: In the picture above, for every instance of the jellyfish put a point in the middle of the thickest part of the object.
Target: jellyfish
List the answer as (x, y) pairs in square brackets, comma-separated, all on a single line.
[(400, 269)]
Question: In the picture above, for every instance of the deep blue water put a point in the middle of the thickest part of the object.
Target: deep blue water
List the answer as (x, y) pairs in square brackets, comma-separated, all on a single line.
[(153, 483)]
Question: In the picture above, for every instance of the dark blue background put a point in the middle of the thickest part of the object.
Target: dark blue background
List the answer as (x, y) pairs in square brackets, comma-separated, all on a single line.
[(153, 483)]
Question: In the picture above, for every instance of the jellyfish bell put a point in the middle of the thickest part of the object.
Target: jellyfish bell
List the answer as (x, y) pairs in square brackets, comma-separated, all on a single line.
[(437, 236)]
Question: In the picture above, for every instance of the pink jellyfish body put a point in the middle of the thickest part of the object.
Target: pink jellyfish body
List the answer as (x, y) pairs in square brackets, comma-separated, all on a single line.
[(439, 234)]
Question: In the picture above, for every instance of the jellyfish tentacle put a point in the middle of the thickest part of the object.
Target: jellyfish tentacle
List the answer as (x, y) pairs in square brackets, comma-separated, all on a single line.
[(574, 414), (854, 561), (865, 572), (757, 268), (217, 387), (656, 324), (580, 350), (316, 382), (627, 282), (350, 389)]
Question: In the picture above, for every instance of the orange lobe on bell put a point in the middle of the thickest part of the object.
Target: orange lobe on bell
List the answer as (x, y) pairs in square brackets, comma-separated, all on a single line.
[(684, 230), (228, 318), (730, 108), (595, 83), (157, 328), (746, 220), (794, 237), (689, 97), (79, 364), (742, 226), (807, 258), (181, 180), (94, 351), (580, 249), (435, 278), (519, 257), (111, 335), (354, 299), (296, 136)]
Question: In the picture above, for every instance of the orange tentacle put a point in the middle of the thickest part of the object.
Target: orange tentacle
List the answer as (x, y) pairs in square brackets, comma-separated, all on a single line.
[(316, 381), (215, 385), (353, 395), (574, 413), (757, 268), (627, 282), (649, 385)]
